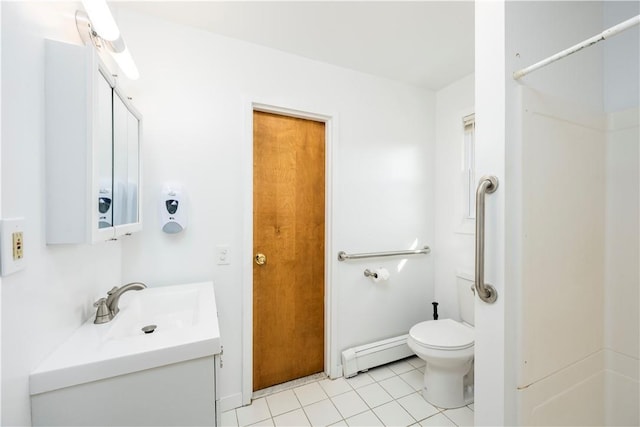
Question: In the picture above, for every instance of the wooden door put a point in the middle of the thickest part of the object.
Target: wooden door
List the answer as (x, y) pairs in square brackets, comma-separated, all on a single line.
[(288, 228)]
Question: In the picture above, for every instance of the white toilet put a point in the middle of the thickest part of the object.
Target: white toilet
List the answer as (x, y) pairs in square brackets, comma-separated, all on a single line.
[(447, 348)]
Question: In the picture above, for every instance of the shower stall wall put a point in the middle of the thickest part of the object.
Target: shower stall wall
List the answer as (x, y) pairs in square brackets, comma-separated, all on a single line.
[(622, 275), (578, 354)]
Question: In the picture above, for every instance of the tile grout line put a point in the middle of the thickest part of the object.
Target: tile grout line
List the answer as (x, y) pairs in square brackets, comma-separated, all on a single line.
[(371, 408), (334, 406), (454, 423), (397, 375), (300, 403), (338, 411), (235, 415), (359, 413), (266, 402)]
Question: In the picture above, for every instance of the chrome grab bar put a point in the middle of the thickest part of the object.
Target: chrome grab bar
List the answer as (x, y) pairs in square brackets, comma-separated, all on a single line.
[(343, 256), (486, 292)]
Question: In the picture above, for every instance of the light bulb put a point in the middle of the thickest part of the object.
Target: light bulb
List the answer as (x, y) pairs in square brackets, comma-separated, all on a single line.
[(101, 19), (126, 64)]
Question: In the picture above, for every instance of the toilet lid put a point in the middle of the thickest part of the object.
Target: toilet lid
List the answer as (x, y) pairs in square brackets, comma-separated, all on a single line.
[(446, 334)]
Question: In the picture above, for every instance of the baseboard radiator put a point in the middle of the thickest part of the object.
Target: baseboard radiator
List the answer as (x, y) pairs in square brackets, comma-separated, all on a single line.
[(364, 357)]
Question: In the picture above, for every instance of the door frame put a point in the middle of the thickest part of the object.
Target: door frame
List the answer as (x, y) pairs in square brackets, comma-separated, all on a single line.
[(330, 301)]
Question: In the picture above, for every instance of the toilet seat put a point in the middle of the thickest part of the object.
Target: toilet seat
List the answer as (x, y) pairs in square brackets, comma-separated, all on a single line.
[(446, 334)]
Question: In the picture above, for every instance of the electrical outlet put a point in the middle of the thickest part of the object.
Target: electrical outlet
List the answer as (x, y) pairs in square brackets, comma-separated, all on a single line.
[(12, 253), (17, 245)]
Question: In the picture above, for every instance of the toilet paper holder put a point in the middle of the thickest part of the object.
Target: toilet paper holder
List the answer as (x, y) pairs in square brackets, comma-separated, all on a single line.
[(369, 273), (377, 275)]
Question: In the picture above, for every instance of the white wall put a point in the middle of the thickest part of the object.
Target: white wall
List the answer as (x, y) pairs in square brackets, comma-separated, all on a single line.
[(622, 277), (0, 210), (454, 234), (195, 92), (493, 372), (44, 303), (536, 30), (621, 61)]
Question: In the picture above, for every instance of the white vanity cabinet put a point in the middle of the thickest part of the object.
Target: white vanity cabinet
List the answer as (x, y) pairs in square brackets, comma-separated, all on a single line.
[(117, 374), (92, 150)]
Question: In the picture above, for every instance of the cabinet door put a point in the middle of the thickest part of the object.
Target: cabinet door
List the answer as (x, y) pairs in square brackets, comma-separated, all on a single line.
[(92, 150), (133, 172), (78, 137), (126, 167), (103, 137)]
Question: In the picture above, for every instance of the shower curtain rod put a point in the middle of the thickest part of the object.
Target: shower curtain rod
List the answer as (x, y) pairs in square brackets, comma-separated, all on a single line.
[(616, 29)]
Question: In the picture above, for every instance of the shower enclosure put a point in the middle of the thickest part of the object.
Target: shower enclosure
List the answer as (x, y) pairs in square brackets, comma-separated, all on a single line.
[(560, 346)]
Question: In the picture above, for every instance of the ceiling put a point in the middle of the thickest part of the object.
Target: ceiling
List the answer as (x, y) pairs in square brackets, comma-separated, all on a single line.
[(423, 43)]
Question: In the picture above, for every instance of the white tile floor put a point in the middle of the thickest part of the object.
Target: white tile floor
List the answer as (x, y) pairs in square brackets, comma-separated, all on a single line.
[(385, 396)]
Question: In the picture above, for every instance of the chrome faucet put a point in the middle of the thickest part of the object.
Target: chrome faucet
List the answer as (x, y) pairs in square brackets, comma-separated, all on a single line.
[(114, 295), (108, 307)]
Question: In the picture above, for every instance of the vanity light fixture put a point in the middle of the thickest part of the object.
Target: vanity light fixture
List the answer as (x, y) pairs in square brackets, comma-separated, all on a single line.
[(97, 26), (102, 19)]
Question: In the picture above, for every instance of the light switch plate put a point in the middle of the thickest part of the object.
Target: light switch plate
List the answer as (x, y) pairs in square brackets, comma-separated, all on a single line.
[(223, 255), (12, 249)]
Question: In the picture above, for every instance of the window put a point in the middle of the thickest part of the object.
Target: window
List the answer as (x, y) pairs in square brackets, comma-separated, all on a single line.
[(469, 123)]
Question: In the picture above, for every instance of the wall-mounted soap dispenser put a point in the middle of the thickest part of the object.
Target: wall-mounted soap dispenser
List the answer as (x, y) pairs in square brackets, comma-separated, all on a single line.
[(173, 210)]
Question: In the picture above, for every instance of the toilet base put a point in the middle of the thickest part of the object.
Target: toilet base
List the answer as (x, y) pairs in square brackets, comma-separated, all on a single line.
[(447, 390)]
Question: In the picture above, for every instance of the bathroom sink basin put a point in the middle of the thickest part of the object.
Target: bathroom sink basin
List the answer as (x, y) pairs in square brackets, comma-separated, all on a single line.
[(185, 327), (167, 309)]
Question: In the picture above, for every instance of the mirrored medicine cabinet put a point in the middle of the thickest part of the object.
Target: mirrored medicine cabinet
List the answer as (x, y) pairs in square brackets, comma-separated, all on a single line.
[(93, 142)]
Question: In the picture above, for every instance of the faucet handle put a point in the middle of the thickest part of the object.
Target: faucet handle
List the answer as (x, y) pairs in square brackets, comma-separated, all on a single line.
[(103, 314), (100, 302), (113, 290)]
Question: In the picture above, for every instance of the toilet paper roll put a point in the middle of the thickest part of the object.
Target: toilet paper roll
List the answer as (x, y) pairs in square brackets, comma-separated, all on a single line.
[(381, 274)]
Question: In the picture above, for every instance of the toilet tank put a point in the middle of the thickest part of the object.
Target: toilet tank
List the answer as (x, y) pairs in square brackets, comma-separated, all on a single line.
[(466, 295)]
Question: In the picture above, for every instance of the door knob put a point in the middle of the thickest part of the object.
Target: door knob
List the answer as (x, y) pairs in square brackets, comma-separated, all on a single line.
[(261, 259)]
